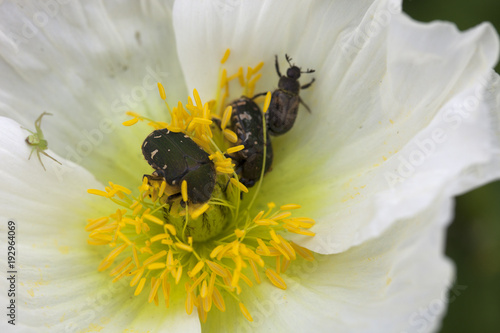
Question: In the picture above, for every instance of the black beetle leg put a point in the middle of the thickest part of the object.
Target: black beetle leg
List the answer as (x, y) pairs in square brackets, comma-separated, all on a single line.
[(277, 65), (258, 95), (305, 86), (217, 122), (305, 105)]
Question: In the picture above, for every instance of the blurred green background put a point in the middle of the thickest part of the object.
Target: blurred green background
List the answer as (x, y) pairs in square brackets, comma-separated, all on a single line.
[(473, 240)]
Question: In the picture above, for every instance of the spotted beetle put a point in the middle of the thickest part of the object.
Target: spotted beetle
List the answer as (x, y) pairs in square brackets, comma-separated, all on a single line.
[(285, 100), (175, 158), (246, 122)]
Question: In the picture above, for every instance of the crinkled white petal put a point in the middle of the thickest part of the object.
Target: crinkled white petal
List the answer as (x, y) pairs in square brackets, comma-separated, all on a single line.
[(88, 62), (395, 283), (58, 286), (384, 85)]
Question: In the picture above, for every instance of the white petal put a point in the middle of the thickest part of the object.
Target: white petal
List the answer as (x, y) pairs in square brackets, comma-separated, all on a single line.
[(383, 84), (87, 63), (58, 285), (395, 283), (255, 31)]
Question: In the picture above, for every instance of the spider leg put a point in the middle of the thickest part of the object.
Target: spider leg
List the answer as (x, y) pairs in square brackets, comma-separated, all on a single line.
[(38, 154)]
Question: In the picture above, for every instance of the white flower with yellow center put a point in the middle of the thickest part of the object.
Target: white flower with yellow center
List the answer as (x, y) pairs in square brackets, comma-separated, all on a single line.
[(404, 116)]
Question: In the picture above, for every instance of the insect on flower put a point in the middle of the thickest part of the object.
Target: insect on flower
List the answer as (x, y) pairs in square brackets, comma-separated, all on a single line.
[(285, 100), (37, 141)]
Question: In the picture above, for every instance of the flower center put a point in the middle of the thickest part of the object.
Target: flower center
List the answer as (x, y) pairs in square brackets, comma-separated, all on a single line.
[(164, 240)]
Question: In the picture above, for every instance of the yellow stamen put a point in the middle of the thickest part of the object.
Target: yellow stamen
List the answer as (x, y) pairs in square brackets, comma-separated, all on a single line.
[(154, 290), (137, 277), (120, 267), (227, 115), (94, 224), (155, 257), (289, 207), (226, 56), (275, 279), (130, 122), (99, 192), (184, 191), (230, 135), (198, 267), (162, 91), (267, 102), (218, 300), (245, 312), (239, 185), (140, 286), (184, 247), (153, 219), (235, 149), (198, 212)]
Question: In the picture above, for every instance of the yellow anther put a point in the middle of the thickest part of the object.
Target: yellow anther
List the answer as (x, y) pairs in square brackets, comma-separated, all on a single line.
[(155, 257), (197, 99), (267, 102), (154, 289), (235, 149), (198, 212), (184, 190), (120, 267), (281, 216), (197, 268), (153, 218), (156, 265), (239, 233), (140, 286), (239, 185), (303, 252), (99, 192), (94, 224), (163, 186), (224, 170), (274, 236), (258, 67), (275, 279), (230, 135), (290, 207), (204, 289), (227, 115), (184, 247), (202, 121), (258, 216), (162, 91), (130, 122), (226, 56), (279, 248), (159, 237), (216, 251), (245, 312), (263, 246), (216, 268)]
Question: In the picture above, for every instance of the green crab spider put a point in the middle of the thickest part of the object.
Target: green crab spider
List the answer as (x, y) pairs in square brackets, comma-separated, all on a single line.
[(37, 141)]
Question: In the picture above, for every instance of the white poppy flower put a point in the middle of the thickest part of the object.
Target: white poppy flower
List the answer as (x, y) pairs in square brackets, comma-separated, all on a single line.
[(404, 116)]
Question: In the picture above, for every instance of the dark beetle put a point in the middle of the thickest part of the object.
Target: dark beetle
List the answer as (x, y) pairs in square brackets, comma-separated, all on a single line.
[(246, 122), (285, 100), (175, 158)]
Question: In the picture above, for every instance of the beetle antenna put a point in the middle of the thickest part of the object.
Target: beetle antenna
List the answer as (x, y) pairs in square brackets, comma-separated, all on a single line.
[(308, 71), (288, 59)]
